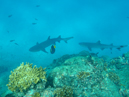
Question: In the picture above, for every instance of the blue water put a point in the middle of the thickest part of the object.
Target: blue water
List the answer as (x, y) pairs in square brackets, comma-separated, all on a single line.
[(85, 20)]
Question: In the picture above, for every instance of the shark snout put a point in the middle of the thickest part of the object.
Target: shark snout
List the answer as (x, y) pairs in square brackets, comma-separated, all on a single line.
[(32, 49)]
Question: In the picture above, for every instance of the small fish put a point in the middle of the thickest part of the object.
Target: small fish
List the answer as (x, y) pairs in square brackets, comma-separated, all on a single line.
[(37, 5), (16, 43), (12, 40), (34, 23), (52, 50), (9, 16)]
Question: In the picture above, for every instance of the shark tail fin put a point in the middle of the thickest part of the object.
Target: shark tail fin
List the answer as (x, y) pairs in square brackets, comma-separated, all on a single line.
[(119, 48), (66, 39)]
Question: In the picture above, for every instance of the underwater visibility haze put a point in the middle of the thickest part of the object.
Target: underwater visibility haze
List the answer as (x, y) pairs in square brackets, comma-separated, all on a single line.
[(64, 48)]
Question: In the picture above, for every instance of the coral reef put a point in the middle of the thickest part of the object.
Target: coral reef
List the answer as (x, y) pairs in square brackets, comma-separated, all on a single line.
[(114, 77), (10, 95), (78, 75), (119, 62), (66, 91), (126, 56), (36, 94), (48, 92), (83, 75), (24, 76)]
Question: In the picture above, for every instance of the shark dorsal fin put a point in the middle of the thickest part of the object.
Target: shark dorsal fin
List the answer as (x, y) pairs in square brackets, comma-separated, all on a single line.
[(98, 42), (111, 44), (48, 38), (59, 36), (37, 43)]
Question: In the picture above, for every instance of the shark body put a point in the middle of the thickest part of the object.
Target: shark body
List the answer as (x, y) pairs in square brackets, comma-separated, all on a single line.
[(99, 45), (41, 46)]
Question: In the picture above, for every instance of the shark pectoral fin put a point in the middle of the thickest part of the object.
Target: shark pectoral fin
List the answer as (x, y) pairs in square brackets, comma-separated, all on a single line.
[(102, 48), (89, 48), (44, 50)]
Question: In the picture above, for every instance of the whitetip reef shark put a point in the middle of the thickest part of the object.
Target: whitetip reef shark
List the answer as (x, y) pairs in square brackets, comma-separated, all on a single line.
[(41, 46), (99, 45)]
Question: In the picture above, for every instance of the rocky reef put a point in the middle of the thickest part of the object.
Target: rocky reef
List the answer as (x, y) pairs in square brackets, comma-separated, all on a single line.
[(78, 75)]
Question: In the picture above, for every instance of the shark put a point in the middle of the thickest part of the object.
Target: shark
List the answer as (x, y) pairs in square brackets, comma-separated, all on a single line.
[(41, 46), (98, 44)]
